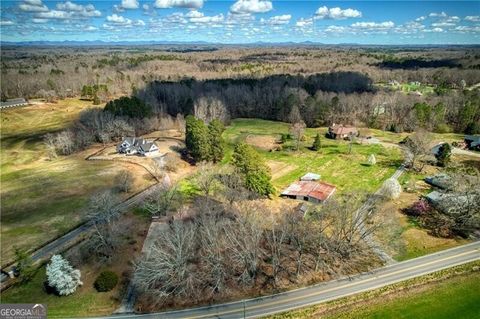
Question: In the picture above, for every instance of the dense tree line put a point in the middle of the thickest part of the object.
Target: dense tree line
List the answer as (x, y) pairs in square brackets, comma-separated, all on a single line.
[(271, 98), (26, 71), (347, 98)]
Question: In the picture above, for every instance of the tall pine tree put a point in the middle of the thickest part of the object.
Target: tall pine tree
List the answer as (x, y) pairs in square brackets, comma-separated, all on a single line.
[(217, 145), (253, 169), (317, 144), (197, 139)]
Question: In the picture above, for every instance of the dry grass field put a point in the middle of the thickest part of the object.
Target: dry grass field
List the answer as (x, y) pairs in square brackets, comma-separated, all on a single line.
[(42, 198)]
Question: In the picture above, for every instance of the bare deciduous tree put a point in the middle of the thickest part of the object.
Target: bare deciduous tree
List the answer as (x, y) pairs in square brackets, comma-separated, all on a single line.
[(297, 130), (418, 147), (124, 180), (168, 269), (205, 178), (163, 201), (103, 214), (244, 244)]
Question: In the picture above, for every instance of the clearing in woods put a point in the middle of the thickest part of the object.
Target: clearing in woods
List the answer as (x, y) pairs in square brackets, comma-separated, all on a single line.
[(347, 170)]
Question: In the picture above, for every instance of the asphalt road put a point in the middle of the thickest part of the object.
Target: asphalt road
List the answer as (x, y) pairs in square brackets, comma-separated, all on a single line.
[(259, 307)]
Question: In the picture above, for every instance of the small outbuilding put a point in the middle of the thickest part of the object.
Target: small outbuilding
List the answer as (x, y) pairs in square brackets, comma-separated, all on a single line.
[(339, 131), (311, 191), (310, 177)]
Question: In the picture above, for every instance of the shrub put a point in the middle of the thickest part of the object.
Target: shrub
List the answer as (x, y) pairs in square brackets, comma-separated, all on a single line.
[(419, 208), (106, 281), (171, 163), (443, 128)]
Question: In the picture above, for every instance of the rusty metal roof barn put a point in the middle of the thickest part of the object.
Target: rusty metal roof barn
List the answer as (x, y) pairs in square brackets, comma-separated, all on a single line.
[(309, 190)]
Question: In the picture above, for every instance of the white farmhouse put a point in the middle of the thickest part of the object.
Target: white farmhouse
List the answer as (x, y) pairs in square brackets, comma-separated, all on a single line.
[(133, 145)]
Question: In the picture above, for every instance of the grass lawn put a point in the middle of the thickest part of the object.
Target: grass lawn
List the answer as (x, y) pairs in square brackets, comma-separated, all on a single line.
[(348, 171), (403, 237), (86, 301), (43, 198), (456, 297)]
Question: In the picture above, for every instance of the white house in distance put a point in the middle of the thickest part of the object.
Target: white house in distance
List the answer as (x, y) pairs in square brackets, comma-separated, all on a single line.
[(134, 145)]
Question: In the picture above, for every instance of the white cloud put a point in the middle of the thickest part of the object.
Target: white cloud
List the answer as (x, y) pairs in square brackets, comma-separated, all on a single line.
[(33, 6), (336, 13), (207, 19), (436, 14), (130, 4), (443, 24), (90, 28), (277, 20), (36, 20), (194, 14), (116, 19), (34, 2), (146, 7), (472, 18), (191, 4), (437, 30), (238, 19), (6, 22), (304, 23), (69, 6), (464, 29), (54, 14), (89, 13), (251, 6), (420, 18), (373, 25), (335, 29), (69, 10)]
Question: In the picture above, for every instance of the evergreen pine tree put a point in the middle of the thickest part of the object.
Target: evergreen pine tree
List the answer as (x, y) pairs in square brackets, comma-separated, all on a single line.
[(253, 169), (443, 155), (217, 145), (317, 144), (197, 139)]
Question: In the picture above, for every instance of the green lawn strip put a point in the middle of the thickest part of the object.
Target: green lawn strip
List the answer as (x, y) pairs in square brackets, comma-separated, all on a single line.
[(450, 293)]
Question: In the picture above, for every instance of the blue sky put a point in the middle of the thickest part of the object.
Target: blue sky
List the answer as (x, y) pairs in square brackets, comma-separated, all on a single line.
[(243, 21)]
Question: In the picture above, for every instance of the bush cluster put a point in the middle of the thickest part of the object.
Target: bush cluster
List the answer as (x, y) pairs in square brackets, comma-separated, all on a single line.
[(106, 281)]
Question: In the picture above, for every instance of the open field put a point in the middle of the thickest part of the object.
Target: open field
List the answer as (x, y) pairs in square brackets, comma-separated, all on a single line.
[(43, 198), (348, 171)]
